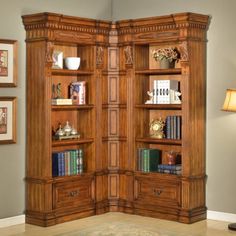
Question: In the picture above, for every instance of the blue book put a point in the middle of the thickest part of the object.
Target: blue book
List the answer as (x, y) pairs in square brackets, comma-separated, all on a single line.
[(168, 127), (55, 158), (169, 167), (178, 131)]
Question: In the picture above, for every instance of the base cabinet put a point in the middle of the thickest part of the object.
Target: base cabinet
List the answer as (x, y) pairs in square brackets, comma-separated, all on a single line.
[(155, 192), (74, 194), (115, 107)]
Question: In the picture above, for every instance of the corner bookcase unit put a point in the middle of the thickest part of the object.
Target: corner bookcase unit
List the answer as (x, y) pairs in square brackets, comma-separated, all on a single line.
[(52, 200), (118, 69), (169, 196)]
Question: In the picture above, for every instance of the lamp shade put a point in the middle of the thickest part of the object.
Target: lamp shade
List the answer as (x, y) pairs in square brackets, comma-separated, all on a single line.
[(230, 100)]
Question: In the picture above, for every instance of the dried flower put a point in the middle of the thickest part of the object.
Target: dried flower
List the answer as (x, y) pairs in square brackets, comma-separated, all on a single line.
[(172, 54)]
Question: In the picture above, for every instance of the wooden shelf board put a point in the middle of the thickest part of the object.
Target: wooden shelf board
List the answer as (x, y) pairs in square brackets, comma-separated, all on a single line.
[(72, 107), (160, 106), (175, 71), (120, 105), (71, 177), (69, 142), (159, 141), (157, 174), (71, 72)]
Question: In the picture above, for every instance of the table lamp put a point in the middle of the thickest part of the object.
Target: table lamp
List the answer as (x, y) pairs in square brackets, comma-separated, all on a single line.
[(230, 100), (230, 105)]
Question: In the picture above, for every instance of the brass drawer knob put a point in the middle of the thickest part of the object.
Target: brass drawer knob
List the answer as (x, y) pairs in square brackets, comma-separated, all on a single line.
[(74, 193), (157, 192)]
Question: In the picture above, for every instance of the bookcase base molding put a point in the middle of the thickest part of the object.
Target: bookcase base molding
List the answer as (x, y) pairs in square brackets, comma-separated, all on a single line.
[(120, 133)]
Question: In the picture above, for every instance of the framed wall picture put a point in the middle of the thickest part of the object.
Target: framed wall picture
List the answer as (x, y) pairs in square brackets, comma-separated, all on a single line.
[(8, 63), (7, 120)]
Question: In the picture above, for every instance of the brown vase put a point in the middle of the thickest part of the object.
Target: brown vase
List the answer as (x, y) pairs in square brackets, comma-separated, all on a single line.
[(166, 64)]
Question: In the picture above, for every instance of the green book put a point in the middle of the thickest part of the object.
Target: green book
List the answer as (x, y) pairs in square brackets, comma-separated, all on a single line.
[(72, 162), (145, 160), (154, 159)]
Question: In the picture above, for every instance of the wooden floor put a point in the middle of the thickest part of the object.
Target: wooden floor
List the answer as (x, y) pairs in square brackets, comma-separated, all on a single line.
[(96, 223)]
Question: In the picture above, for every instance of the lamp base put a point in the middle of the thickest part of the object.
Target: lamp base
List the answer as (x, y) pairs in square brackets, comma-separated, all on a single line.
[(232, 226)]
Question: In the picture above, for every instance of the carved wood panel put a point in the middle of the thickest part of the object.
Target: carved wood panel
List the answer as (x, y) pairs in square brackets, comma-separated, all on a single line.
[(113, 152), (113, 87), (113, 115), (113, 59), (113, 186)]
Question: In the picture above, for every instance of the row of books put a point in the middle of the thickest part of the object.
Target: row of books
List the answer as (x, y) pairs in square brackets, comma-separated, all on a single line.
[(148, 159), (77, 94), (68, 162), (170, 169), (164, 91), (173, 127)]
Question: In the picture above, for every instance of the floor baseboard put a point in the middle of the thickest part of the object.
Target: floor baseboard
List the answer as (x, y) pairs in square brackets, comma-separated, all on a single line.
[(15, 220), (222, 216), (211, 215)]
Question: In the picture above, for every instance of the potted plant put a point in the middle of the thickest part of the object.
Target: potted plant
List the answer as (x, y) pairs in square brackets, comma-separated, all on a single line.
[(166, 56)]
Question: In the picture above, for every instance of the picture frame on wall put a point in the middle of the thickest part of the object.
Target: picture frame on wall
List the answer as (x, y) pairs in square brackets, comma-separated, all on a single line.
[(8, 120), (8, 63)]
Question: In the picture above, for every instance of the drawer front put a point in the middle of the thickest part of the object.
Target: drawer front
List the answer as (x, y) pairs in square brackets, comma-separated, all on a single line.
[(73, 194), (156, 192)]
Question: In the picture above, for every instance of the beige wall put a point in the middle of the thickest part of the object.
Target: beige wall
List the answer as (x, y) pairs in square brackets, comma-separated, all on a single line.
[(12, 157), (221, 68), (221, 74)]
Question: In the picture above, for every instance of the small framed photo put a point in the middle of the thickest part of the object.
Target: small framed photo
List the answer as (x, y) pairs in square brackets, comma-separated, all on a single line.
[(57, 58), (8, 63), (7, 120)]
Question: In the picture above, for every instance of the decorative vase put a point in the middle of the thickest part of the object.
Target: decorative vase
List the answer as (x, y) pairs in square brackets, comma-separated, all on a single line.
[(166, 64), (171, 158)]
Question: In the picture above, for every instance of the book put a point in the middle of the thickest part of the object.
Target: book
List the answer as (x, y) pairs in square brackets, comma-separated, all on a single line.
[(80, 161), (170, 167), (148, 159), (61, 101), (55, 164), (168, 127), (165, 91), (178, 127), (155, 91), (78, 92), (173, 127)]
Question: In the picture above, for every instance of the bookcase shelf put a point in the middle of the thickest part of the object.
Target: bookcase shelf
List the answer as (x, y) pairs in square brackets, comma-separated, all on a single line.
[(62, 179), (163, 176), (71, 72), (174, 71), (70, 142), (160, 106), (159, 141), (72, 107)]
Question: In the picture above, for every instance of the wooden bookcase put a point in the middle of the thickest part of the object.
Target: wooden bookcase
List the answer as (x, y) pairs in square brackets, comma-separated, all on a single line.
[(117, 66)]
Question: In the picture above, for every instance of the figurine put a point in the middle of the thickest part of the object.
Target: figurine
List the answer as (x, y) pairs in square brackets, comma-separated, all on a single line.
[(59, 90), (150, 101), (60, 132), (67, 129), (176, 100)]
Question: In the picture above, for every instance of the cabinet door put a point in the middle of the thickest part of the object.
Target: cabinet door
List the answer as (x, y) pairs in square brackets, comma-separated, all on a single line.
[(149, 191), (73, 194)]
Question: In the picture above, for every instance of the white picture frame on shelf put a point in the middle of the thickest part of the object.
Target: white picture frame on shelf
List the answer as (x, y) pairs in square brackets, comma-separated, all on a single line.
[(57, 58)]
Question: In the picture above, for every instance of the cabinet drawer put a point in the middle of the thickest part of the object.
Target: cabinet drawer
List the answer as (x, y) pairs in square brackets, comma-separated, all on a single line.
[(155, 192), (73, 194)]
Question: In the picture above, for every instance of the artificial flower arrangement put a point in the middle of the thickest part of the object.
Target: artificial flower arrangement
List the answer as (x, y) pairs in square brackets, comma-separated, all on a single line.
[(172, 54)]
